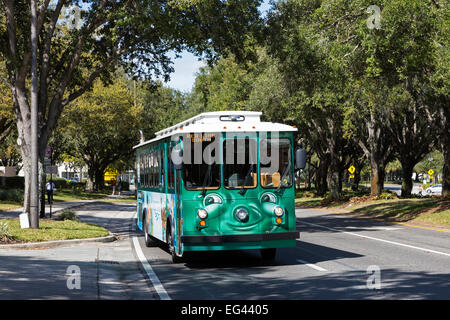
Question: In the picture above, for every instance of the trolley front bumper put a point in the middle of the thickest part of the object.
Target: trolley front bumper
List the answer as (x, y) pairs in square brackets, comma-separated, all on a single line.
[(241, 237)]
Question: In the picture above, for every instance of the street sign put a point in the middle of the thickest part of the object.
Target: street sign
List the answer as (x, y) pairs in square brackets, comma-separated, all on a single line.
[(51, 169), (352, 176), (351, 169), (430, 172)]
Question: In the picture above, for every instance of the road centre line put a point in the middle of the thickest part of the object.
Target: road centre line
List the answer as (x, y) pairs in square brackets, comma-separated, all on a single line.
[(149, 270), (306, 263), (378, 239)]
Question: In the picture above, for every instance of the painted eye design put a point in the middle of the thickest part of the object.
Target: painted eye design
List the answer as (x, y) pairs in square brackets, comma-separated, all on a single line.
[(212, 199), (269, 197)]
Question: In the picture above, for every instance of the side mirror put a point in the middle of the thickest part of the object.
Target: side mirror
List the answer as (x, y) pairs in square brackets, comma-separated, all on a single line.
[(177, 159), (300, 158)]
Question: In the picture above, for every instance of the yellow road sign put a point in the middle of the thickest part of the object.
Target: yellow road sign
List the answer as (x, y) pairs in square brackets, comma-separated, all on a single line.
[(352, 176), (351, 169), (430, 172)]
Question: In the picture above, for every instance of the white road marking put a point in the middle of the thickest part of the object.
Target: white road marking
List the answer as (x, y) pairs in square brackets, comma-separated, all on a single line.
[(375, 228), (151, 274), (306, 263), (378, 239)]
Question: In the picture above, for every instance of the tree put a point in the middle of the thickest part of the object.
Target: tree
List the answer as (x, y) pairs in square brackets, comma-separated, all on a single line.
[(103, 126), (162, 107), (412, 135), (437, 95), (397, 54), (316, 85), (6, 106), (135, 34)]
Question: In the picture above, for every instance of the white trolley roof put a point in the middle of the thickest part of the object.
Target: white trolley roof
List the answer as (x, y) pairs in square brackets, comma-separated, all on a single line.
[(221, 121)]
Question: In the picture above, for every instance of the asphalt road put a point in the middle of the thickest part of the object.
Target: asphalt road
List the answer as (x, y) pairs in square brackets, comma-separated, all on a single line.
[(337, 257)]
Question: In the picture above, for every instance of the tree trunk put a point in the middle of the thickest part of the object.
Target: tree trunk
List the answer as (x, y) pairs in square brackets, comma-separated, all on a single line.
[(333, 180), (90, 183), (407, 184), (378, 173), (42, 178), (446, 169), (357, 179), (27, 173), (321, 178)]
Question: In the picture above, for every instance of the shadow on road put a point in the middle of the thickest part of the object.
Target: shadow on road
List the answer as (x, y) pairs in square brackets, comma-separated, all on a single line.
[(30, 278)]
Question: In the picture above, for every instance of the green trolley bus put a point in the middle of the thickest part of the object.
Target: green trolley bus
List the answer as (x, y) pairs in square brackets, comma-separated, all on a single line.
[(219, 181)]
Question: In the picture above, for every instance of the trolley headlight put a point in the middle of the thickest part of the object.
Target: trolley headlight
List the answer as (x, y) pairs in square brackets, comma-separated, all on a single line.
[(202, 214), (242, 214), (278, 211)]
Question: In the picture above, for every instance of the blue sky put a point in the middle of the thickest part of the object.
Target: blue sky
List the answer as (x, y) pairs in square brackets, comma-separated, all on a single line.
[(188, 65)]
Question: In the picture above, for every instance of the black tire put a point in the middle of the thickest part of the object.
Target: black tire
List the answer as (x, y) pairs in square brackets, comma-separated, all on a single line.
[(268, 254), (149, 240), (175, 258)]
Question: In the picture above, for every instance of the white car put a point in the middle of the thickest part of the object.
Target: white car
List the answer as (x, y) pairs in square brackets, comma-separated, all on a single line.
[(437, 188)]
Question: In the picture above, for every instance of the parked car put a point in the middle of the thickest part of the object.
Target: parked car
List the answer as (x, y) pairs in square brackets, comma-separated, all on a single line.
[(437, 188)]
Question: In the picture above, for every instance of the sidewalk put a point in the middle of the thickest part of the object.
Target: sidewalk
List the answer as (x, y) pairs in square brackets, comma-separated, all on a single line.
[(87, 271), (59, 206)]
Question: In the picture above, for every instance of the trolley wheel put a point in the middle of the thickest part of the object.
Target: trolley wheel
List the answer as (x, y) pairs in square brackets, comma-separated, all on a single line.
[(149, 240), (268, 254), (172, 249)]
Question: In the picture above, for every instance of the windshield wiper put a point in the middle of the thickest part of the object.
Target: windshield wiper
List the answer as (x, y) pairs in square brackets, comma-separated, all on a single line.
[(243, 190), (283, 175), (206, 180)]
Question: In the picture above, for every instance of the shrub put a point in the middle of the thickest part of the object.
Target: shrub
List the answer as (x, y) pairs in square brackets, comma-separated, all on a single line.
[(386, 196), (12, 182), (5, 234), (14, 195), (60, 183), (67, 214)]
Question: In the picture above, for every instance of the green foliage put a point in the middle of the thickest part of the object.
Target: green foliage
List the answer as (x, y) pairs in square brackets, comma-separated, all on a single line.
[(67, 214), (103, 125), (14, 195), (5, 232), (161, 107), (15, 182), (386, 195), (61, 183), (436, 163)]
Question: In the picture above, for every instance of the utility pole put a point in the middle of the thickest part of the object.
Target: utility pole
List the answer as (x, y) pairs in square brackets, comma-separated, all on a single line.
[(34, 187)]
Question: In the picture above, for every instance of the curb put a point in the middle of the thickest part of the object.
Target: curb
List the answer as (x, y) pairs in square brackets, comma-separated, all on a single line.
[(58, 243)]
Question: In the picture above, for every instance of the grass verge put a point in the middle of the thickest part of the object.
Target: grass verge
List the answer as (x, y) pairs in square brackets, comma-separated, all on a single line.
[(51, 230), (67, 195), (9, 205), (433, 211), (129, 199)]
